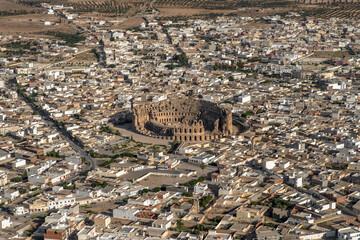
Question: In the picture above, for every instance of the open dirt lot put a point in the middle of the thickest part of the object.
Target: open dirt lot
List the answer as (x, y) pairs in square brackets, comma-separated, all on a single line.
[(85, 56), (100, 207), (129, 23), (158, 181), (330, 54), (126, 23), (30, 24), (126, 130)]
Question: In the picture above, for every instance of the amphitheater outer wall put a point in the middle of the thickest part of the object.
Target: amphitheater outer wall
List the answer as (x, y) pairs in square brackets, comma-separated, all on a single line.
[(184, 120)]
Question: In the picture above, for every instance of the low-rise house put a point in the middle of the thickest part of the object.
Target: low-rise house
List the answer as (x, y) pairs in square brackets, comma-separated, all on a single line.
[(126, 212), (5, 222), (102, 220), (251, 214)]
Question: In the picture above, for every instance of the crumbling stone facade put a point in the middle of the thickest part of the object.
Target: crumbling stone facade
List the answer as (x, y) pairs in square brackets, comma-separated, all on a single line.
[(185, 120)]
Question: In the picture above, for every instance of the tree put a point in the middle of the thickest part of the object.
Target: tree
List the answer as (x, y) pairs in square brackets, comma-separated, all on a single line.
[(202, 166), (182, 59), (95, 184), (145, 190), (188, 194), (25, 175), (104, 184), (205, 201), (179, 223), (17, 179)]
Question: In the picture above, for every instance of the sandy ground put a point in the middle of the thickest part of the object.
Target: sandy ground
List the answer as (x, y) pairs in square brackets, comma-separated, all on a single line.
[(101, 207), (125, 130), (30, 24), (129, 23), (87, 56), (158, 181), (330, 54)]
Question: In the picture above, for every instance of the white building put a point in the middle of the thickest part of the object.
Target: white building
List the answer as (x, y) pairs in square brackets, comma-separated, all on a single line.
[(202, 158), (269, 164), (4, 155), (161, 224), (35, 170), (5, 222), (18, 163), (350, 233), (201, 188), (18, 210), (12, 194), (296, 181), (60, 203), (124, 212), (143, 201), (244, 98), (336, 86), (87, 232)]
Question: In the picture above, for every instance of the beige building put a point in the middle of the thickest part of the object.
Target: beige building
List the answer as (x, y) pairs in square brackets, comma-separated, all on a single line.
[(253, 214), (3, 179), (38, 205), (102, 220)]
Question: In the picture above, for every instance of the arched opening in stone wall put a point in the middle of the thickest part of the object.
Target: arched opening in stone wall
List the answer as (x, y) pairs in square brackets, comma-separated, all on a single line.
[(183, 117)]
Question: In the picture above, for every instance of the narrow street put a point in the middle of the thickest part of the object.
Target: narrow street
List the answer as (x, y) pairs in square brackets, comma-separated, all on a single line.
[(75, 144)]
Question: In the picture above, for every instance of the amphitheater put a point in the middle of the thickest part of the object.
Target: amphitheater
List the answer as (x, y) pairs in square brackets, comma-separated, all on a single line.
[(185, 120)]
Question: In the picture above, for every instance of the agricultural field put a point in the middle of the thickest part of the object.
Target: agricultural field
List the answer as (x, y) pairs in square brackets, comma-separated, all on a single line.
[(327, 1), (118, 7), (170, 12), (224, 4), (8, 8), (7, 5), (340, 11), (171, 8), (111, 8)]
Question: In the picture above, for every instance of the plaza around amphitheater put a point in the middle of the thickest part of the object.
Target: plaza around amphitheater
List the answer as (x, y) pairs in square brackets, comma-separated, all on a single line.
[(186, 120)]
